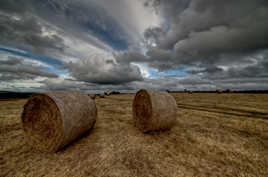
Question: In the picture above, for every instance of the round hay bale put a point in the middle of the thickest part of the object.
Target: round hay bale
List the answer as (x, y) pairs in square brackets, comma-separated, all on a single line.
[(52, 120), (219, 91), (229, 91), (154, 110)]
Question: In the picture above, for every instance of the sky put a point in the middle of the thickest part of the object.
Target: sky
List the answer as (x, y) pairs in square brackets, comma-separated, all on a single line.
[(125, 45)]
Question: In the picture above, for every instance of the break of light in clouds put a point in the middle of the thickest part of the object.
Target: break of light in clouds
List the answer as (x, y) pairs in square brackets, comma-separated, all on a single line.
[(100, 45)]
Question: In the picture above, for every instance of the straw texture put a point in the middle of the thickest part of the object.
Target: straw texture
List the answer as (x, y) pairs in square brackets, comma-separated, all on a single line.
[(52, 120), (154, 110)]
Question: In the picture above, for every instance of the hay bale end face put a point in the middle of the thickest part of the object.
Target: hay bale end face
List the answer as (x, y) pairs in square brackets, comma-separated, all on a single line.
[(52, 120), (154, 110)]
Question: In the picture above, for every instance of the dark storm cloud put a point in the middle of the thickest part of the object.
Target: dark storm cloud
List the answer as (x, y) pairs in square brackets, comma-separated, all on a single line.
[(157, 58), (219, 44), (198, 83), (24, 31), (23, 22), (21, 69), (14, 6), (154, 35), (63, 84), (14, 68), (205, 28), (246, 66), (83, 16), (245, 76), (20, 28), (213, 41), (102, 70), (11, 76), (128, 57), (161, 59), (11, 61), (187, 18)]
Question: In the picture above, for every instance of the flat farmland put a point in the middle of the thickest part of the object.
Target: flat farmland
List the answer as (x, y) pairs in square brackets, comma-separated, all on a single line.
[(214, 135)]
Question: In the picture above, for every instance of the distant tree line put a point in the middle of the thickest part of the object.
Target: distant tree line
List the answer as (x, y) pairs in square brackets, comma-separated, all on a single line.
[(14, 95), (11, 95)]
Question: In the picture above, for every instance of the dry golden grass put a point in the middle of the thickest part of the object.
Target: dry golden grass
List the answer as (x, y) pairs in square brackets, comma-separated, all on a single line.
[(214, 135)]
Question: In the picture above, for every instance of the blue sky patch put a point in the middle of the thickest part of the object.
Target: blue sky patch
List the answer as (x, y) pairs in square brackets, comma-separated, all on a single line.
[(156, 74), (108, 36), (47, 60)]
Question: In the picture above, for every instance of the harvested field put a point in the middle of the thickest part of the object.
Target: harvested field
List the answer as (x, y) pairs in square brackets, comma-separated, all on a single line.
[(214, 135)]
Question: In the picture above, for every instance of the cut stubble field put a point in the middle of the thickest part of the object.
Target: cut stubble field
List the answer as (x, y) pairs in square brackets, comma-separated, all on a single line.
[(214, 135)]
